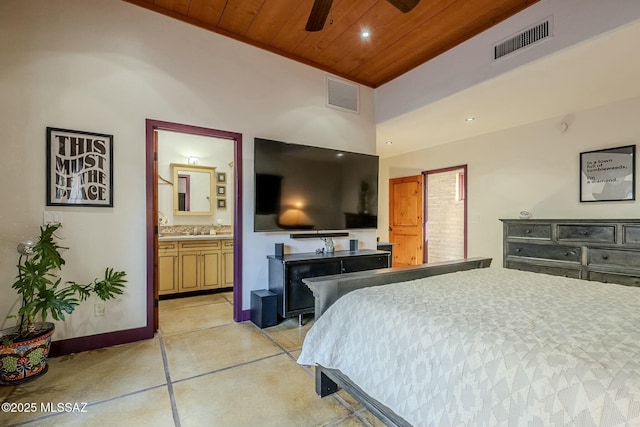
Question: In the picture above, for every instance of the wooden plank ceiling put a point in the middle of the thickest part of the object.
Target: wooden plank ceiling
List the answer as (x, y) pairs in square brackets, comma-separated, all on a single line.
[(398, 42)]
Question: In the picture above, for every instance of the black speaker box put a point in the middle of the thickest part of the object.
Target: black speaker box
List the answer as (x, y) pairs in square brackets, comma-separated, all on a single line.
[(353, 244), (279, 249), (263, 308)]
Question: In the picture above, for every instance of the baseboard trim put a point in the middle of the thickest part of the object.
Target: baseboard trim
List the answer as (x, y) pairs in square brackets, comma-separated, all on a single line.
[(245, 315), (92, 342)]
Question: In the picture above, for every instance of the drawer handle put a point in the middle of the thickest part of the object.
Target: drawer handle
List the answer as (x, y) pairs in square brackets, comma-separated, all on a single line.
[(585, 233), (567, 253), (605, 256), (518, 249), (528, 231)]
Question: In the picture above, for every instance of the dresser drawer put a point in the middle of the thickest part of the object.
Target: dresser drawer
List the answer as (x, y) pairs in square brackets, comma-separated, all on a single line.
[(350, 265), (587, 233), (552, 252), (529, 231), (199, 245), (555, 271), (614, 257), (167, 246), (631, 234), (621, 279)]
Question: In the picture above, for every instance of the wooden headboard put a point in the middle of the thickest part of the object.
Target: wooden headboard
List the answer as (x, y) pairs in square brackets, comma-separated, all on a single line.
[(600, 250), (327, 289)]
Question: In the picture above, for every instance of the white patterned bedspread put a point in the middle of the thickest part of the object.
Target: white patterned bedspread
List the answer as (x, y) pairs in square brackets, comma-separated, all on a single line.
[(489, 347)]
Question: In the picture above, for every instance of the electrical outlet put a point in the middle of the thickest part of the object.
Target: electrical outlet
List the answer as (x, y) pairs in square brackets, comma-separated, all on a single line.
[(98, 309)]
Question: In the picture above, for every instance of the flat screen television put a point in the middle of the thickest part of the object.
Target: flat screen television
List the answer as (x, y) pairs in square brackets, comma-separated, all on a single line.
[(299, 187)]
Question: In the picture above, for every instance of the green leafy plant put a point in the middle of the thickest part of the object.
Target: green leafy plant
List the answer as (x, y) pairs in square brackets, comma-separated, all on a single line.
[(42, 290)]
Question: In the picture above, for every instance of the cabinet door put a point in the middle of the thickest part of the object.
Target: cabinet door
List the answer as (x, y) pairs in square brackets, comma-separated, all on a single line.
[(167, 274), (210, 269), (362, 263), (299, 297), (227, 269), (189, 264)]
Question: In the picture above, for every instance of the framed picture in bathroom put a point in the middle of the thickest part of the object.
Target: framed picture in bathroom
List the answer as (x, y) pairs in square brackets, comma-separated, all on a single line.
[(221, 190), (222, 203), (221, 177), (79, 168)]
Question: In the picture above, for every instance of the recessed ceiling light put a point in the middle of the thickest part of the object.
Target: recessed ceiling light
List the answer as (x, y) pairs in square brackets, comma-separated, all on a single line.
[(469, 119), (389, 142), (340, 154), (365, 34)]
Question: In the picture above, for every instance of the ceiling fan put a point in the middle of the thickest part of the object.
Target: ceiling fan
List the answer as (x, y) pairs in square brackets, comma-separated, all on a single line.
[(321, 8)]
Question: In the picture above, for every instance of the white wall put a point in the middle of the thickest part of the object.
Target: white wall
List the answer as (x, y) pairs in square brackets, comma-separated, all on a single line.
[(175, 147), (106, 66), (471, 62), (533, 167)]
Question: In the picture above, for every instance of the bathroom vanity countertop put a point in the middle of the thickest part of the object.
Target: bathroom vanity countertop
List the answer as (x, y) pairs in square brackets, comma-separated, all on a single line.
[(164, 237)]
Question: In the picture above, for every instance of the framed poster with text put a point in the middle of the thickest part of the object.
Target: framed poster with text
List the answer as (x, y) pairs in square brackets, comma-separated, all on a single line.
[(608, 175), (79, 168)]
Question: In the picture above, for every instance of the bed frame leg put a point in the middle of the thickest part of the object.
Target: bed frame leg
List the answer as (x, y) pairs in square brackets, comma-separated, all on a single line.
[(324, 385)]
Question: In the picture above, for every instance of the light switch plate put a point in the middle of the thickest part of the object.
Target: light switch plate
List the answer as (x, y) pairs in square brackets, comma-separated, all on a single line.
[(52, 217)]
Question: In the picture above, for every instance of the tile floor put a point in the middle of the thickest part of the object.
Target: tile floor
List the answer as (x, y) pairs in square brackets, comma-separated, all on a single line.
[(201, 369)]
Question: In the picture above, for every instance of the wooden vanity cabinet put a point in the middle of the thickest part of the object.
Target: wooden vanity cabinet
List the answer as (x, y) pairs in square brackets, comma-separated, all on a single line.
[(194, 265), (167, 267), (199, 265)]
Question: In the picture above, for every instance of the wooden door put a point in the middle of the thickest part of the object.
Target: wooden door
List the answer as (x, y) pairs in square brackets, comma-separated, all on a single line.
[(167, 274), (189, 266), (405, 220), (227, 263), (167, 267), (210, 269)]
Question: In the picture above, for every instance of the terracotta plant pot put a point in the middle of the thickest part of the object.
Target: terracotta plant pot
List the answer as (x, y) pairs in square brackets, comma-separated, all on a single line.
[(25, 360)]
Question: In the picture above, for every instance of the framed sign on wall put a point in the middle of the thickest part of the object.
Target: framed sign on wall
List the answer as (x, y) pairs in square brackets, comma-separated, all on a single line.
[(79, 168), (608, 175)]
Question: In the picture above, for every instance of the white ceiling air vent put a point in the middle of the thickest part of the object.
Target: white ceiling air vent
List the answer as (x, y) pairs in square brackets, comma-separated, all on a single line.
[(343, 95), (528, 37)]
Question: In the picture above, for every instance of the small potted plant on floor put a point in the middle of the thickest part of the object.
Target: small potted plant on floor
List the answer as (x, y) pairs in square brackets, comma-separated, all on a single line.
[(24, 348)]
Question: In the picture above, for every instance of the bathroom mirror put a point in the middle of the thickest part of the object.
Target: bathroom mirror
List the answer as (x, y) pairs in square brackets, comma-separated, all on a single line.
[(192, 189)]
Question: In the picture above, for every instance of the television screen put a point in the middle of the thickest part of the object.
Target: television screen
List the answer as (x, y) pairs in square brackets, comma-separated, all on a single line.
[(298, 187)]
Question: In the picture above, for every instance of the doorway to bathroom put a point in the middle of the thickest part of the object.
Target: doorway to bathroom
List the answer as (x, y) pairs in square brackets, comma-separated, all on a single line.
[(196, 248), (445, 213)]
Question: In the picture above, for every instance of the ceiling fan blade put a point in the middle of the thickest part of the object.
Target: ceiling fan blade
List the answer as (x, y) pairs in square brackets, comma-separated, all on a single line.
[(318, 15), (404, 6)]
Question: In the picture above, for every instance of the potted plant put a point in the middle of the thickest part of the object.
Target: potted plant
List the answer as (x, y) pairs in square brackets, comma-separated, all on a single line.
[(24, 348)]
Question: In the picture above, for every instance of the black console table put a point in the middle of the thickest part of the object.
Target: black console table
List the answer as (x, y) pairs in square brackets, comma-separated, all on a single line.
[(294, 298)]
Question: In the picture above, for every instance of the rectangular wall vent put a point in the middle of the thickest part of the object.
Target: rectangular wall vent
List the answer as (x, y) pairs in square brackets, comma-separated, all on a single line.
[(343, 95), (528, 37)]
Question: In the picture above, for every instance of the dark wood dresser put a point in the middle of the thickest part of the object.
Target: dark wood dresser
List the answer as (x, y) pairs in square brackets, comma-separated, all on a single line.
[(591, 249)]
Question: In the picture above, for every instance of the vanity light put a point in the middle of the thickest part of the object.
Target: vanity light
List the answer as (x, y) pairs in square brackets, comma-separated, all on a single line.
[(192, 160), (469, 119)]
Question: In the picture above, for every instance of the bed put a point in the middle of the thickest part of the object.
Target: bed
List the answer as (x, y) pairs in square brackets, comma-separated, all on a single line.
[(490, 346)]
